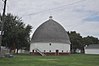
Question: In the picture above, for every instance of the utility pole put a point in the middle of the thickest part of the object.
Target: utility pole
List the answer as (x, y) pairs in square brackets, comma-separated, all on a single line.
[(2, 24)]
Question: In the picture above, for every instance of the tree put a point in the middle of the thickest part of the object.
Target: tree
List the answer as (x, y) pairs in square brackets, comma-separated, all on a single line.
[(16, 33), (76, 42), (90, 40)]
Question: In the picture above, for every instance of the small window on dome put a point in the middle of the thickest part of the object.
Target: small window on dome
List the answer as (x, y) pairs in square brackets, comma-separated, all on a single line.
[(50, 44)]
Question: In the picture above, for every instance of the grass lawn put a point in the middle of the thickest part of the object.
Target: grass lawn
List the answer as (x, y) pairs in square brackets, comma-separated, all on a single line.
[(70, 60)]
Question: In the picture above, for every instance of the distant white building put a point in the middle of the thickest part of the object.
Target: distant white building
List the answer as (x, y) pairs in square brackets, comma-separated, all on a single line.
[(50, 38), (4, 50), (92, 49)]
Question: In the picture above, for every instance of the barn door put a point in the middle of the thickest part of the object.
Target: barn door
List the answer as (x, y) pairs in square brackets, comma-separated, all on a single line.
[(57, 52)]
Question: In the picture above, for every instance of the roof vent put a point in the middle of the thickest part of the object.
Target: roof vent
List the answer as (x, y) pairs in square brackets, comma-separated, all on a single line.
[(50, 17)]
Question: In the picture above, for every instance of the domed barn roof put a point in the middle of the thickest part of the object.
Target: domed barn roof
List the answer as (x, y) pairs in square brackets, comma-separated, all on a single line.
[(50, 31)]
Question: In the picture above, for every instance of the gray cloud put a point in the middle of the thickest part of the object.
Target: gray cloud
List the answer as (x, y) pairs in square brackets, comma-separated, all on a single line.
[(77, 16)]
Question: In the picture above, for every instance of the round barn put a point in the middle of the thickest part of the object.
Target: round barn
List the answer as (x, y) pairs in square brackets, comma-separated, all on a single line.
[(50, 38)]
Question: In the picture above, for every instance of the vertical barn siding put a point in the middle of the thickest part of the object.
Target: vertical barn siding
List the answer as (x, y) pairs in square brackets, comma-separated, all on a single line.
[(91, 51), (53, 47)]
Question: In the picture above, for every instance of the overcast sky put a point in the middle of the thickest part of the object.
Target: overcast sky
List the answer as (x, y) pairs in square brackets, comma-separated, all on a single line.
[(74, 15)]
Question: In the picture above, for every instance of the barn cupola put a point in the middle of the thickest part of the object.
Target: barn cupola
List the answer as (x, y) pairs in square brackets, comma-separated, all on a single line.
[(50, 17)]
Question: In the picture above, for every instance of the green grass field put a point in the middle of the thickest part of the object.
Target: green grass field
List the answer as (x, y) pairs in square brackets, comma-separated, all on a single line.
[(70, 60)]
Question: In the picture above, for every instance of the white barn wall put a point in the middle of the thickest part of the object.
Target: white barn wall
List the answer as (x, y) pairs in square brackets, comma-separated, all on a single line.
[(91, 51), (53, 47)]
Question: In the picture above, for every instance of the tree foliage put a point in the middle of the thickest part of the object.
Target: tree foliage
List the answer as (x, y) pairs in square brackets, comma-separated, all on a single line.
[(90, 40), (16, 33), (79, 42)]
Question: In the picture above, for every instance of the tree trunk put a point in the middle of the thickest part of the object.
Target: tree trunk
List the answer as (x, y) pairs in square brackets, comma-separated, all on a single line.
[(75, 50), (10, 50), (82, 50), (17, 51), (14, 47)]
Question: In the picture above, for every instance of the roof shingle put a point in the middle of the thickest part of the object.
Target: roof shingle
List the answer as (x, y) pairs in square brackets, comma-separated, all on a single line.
[(50, 31)]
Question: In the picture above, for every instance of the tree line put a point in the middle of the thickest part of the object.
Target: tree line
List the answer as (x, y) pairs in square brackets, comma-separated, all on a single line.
[(16, 33), (79, 42)]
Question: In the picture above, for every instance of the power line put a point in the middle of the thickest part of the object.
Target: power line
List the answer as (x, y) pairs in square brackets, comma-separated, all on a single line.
[(54, 8)]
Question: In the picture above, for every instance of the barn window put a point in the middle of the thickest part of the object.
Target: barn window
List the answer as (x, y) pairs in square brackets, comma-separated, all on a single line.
[(62, 51), (49, 50), (44, 50), (50, 44)]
